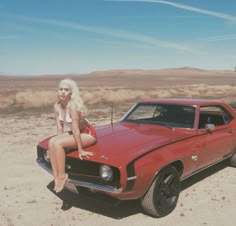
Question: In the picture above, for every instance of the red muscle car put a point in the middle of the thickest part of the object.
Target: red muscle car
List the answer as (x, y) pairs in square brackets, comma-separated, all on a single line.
[(156, 145)]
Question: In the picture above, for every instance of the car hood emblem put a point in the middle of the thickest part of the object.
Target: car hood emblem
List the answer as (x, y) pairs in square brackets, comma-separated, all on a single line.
[(103, 157)]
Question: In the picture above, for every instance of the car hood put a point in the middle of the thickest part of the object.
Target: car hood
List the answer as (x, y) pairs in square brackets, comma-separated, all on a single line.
[(123, 142)]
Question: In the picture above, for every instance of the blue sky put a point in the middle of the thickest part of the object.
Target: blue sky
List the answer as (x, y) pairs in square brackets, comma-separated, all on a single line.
[(81, 36)]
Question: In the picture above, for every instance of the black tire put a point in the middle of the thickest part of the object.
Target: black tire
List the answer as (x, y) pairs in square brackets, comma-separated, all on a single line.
[(162, 196), (233, 160)]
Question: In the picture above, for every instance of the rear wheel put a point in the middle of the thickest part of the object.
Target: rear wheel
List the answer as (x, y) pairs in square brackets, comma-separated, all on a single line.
[(162, 196)]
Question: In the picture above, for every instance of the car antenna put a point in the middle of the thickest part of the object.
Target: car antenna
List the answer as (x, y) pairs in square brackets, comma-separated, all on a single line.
[(112, 114)]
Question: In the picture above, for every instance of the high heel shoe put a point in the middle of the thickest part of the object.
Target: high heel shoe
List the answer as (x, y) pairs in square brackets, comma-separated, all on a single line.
[(61, 183), (55, 184)]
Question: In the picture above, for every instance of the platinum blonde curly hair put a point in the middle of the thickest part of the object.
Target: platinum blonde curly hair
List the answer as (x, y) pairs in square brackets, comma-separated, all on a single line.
[(75, 95)]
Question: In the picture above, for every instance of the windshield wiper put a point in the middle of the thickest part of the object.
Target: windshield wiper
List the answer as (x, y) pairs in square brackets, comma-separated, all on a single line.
[(162, 124), (152, 122), (132, 120)]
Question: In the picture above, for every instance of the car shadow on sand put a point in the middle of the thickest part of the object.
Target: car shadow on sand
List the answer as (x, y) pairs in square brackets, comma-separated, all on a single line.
[(97, 203), (113, 208)]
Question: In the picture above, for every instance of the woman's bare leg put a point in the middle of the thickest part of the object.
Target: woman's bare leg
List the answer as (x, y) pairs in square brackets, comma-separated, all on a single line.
[(87, 140), (58, 146), (53, 160)]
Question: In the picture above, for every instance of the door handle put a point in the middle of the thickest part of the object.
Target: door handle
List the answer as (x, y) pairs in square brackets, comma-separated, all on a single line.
[(230, 131)]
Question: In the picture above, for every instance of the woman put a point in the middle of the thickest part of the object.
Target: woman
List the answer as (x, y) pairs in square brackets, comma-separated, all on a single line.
[(73, 130)]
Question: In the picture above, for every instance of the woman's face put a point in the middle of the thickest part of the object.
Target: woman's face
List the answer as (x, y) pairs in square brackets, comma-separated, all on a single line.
[(64, 92)]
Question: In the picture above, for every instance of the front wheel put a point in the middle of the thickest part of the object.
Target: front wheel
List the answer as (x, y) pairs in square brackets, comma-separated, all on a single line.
[(233, 160), (162, 196)]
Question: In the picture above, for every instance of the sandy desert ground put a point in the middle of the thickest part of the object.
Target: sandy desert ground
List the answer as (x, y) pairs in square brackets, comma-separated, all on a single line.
[(26, 118)]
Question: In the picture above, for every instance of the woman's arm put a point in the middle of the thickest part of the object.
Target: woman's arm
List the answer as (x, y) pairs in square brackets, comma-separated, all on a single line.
[(76, 117), (58, 124)]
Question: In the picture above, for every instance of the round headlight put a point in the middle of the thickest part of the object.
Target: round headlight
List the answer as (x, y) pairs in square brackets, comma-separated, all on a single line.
[(46, 156), (106, 172)]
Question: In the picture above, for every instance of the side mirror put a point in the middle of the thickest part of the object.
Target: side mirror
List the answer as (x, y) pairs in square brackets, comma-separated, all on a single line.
[(210, 127)]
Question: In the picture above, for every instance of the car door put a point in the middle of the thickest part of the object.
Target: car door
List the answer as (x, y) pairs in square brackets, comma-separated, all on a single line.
[(217, 141)]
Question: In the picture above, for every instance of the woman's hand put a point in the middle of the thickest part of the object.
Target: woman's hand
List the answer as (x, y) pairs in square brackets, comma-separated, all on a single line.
[(86, 154)]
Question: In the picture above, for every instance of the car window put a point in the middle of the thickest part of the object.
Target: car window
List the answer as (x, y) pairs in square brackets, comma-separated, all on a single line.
[(215, 115)]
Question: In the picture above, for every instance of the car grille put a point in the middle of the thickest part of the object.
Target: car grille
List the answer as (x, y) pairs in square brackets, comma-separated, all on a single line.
[(82, 170)]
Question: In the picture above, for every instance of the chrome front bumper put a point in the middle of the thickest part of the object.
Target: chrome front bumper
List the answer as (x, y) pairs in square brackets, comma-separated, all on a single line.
[(72, 184)]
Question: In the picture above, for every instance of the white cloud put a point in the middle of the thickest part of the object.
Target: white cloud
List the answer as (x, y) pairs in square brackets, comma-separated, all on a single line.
[(109, 32), (221, 38)]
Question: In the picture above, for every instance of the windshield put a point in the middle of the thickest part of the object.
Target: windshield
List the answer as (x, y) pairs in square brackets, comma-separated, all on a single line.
[(170, 115)]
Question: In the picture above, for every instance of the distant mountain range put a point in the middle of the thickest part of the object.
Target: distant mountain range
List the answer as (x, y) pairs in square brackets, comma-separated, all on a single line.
[(116, 72)]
